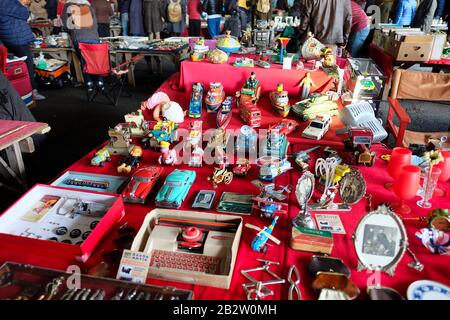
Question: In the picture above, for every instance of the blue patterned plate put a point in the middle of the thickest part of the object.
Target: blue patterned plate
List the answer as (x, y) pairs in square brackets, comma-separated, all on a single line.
[(428, 290)]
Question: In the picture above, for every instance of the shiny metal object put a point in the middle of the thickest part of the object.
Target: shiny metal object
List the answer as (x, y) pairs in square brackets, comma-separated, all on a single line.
[(86, 294), (52, 289), (68, 294), (79, 294), (98, 295), (416, 264), (304, 192), (118, 295), (131, 295), (294, 280)]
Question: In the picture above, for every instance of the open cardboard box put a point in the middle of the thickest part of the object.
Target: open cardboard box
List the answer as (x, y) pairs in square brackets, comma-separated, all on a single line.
[(227, 254), (13, 245), (412, 47)]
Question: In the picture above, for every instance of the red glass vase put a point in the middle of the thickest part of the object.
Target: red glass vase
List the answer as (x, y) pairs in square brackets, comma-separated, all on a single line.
[(399, 157), (405, 187)]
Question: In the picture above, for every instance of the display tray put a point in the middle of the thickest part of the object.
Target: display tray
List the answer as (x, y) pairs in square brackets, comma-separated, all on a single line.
[(99, 182), (58, 223), (211, 264), (25, 282)]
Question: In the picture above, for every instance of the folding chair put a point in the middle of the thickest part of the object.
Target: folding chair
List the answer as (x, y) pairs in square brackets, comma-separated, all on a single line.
[(412, 85), (97, 63)]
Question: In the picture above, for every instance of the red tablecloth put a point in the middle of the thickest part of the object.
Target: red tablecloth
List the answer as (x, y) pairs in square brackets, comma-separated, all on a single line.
[(436, 267)]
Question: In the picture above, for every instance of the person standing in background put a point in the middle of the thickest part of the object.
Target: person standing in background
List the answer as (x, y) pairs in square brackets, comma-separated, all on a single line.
[(176, 16), (154, 14), (243, 11), (329, 20), (51, 8), (37, 9), (214, 9), (136, 16), (404, 12), (16, 34), (104, 12), (424, 15), (360, 29), (440, 10), (124, 9), (194, 10)]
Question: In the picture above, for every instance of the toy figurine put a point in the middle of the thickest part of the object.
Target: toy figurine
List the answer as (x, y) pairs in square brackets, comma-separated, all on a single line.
[(168, 157), (195, 105), (131, 161), (306, 85), (196, 159), (280, 101), (100, 158), (214, 97), (221, 174), (251, 90), (120, 140), (329, 63), (170, 110), (164, 130), (262, 36)]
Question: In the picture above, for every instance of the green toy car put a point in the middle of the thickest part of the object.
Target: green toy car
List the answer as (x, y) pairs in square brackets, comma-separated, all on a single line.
[(315, 105), (175, 189)]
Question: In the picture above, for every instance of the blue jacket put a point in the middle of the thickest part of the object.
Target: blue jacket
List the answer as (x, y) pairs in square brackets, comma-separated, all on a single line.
[(405, 13), (14, 29)]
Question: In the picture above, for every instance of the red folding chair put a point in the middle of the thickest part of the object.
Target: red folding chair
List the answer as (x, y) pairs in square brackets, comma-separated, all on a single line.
[(3, 56), (97, 63)]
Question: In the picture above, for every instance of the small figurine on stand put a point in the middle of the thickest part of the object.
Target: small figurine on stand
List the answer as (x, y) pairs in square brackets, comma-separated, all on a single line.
[(329, 63), (306, 85), (131, 161), (168, 157), (251, 90)]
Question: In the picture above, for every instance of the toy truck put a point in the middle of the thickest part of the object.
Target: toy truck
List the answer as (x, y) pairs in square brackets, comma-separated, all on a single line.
[(359, 143), (249, 113)]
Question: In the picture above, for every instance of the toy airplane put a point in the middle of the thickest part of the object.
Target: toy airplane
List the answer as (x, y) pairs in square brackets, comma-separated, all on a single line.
[(266, 203), (259, 243), (268, 190)]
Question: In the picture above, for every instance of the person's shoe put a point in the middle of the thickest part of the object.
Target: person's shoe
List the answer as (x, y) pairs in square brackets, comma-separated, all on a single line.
[(37, 96), (90, 86)]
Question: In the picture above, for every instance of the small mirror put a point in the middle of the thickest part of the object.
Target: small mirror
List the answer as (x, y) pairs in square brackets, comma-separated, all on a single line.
[(305, 188), (380, 241), (352, 188)]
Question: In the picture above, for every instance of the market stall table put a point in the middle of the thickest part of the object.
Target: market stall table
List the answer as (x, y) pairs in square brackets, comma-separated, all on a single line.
[(15, 137)]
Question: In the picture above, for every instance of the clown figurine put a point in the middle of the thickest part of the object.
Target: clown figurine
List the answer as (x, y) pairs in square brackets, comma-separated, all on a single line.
[(131, 161), (306, 85), (168, 157)]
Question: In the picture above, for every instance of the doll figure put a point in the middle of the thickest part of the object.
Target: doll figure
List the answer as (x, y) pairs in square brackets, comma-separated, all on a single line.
[(168, 157), (306, 85), (252, 82), (131, 161)]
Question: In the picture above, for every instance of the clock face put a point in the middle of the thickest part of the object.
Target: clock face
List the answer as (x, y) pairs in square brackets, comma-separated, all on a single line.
[(305, 188)]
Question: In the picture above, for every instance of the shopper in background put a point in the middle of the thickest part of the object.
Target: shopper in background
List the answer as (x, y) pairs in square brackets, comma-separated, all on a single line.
[(360, 29), (51, 8), (176, 16), (16, 34), (440, 10), (424, 15), (136, 18), (154, 14), (243, 11), (214, 9), (124, 9), (194, 10), (329, 20), (404, 12), (37, 9), (104, 12)]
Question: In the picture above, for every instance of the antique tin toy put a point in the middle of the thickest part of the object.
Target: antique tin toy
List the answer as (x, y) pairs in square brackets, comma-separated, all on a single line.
[(221, 174), (251, 90), (228, 44), (163, 130), (195, 105), (262, 36), (120, 140), (259, 243), (224, 114), (316, 105), (249, 113), (359, 143), (242, 167), (244, 62), (302, 158), (237, 203), (266, 202), (131, 161), (141, 183), (285, 126), (275, 144), (271, 167), (175, 189), (214, 97), (168, 157), (100, 158), (247, 140), (204, 199), (317, 128), (280, 101), (137, 123), (199, 51)]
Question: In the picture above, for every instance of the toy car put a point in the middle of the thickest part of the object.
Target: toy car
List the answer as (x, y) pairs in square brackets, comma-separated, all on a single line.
[(141, 183), (317, 128), (100, 158), (195, 105), (242, 168), (175, 189), (285, 126), (339, 173), (315, 105), (163, 131), (272, 167)]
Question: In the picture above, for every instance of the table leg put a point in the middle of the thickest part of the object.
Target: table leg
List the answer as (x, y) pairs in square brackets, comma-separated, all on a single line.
[(14, 155), (77, 67), (131, 81)]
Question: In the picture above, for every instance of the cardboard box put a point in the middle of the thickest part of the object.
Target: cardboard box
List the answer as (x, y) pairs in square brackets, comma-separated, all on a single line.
[(21, 248), (166, 240), (412, 47), (438, 46)]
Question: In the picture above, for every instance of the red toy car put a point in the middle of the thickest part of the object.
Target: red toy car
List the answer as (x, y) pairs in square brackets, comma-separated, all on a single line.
[(249, 113), (285, 126), (242, 167), (141, 184)]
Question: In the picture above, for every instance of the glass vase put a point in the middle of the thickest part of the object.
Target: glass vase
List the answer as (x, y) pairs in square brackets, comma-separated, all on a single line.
[(429, 184)]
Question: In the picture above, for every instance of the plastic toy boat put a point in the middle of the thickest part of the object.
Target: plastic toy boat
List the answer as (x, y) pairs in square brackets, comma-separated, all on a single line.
[(214, 97), (280, 101)]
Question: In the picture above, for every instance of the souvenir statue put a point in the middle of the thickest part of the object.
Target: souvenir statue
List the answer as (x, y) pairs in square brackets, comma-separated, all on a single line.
[(199, 51), (141, 183), (228, 44), (195, 105), (131, 161), (175, 189), (306, 85), (100, 158), (317, 128), (224, 114), (316, 105), (280, 101), (285, 126), (164, 130), (259, 243), (266, 202), (221, 174), (251, 90), (329, 63), (359, 143), (137, 123), (247, 140), (168, 157), (120, 140), (272, 167), (242, 167), (311, 49), (214, 97), (244, 62), (217, 56)]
